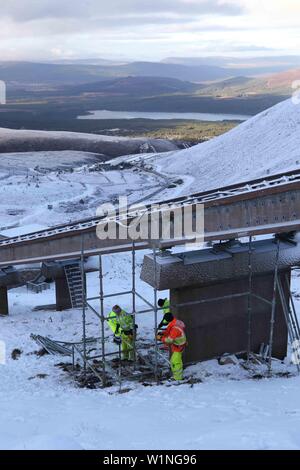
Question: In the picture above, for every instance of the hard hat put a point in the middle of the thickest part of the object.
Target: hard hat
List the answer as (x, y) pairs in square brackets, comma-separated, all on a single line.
[(168, 317), (117, 309)]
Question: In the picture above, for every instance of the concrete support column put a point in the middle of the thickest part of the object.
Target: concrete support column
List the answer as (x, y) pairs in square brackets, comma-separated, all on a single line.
[(3, 301), (63, 299), (221, 326)]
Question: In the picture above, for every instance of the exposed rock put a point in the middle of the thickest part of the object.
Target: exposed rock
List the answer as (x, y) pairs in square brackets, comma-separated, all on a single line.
[(16, 353)]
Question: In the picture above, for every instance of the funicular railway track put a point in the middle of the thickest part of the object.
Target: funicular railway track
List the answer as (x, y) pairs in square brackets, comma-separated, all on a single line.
[(266, 205)]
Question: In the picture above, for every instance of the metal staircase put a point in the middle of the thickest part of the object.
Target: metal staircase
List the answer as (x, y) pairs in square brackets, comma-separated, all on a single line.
[(291, 321), (75, 284)]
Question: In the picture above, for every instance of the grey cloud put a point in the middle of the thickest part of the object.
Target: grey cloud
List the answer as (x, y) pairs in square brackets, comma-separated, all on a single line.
[(250, 48), (30, 10)]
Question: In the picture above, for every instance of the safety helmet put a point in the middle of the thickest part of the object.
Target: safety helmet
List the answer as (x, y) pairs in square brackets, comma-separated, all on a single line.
[(117, 309), (168, 317)]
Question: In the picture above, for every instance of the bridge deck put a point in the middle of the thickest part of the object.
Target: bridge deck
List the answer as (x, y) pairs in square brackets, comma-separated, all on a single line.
[(267, 205)]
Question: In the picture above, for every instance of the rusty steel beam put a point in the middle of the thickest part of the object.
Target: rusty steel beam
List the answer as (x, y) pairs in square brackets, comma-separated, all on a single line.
[(273, 208)]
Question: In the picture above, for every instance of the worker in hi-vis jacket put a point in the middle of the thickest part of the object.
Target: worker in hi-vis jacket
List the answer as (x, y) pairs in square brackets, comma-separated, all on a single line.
[(165, 305), (123, 328), (174, 337)]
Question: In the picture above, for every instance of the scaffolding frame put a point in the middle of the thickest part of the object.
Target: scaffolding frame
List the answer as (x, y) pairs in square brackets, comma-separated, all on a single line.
[(154, 309), (86, 305)]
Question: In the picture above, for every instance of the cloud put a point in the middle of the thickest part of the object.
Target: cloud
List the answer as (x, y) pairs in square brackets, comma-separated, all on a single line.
[(45, 18), (32, 10), (33, 29)]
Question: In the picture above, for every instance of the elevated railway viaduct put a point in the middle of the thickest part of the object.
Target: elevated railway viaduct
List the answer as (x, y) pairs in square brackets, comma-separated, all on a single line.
[(264, 206)]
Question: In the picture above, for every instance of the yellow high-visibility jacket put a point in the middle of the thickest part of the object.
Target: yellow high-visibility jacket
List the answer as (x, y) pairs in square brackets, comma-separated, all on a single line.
[(120, 323)]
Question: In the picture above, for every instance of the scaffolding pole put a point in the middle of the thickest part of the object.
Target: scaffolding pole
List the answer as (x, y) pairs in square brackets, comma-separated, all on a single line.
[(155, 314), (250, 300), (273, 313), (102, 319), (134, 303), (292, 303), (83, 305), (291, 325)]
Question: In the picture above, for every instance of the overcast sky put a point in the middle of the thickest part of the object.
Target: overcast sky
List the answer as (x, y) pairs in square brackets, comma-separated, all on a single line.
[(147, 29)]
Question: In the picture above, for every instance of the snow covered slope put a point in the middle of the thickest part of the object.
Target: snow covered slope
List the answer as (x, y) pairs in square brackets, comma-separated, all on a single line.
[(28, 141), (42, 408), (49, 188), (269, 143)]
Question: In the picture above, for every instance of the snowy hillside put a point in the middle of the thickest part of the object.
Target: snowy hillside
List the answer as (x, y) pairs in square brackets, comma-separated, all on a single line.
[(269, 143), (50, 188), (27, 141)]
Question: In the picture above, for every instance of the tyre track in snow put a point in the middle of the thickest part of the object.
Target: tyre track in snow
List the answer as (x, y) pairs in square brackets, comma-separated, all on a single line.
[(167, 182)]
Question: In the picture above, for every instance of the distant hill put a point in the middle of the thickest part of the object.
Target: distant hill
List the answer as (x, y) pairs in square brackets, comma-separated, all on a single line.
[(217, 61), (49, 73), (33, 74), (282, 81), (279, 84), (197, 70), (28, 72), (92, 61), (198, 73), (252, 66), (135, 86), (230, 87)]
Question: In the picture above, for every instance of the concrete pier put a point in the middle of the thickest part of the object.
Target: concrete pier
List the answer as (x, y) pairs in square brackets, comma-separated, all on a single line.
[(62, 294), (221, 326), (220, 277), (68, 292), (3, 301), (9, 277)]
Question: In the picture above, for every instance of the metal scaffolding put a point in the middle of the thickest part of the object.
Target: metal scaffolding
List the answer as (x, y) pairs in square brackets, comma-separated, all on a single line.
[(106, 357), (155, 361)]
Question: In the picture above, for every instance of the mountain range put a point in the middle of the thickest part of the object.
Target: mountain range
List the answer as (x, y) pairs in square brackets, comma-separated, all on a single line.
[(28, 72)]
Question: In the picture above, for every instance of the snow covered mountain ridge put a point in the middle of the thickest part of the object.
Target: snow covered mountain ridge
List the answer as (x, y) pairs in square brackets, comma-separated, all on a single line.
[(268, 143)]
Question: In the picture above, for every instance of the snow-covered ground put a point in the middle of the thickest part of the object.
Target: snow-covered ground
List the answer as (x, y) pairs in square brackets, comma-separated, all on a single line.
[(268, 143), (41, 406), (49, 188), (228, 410)]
